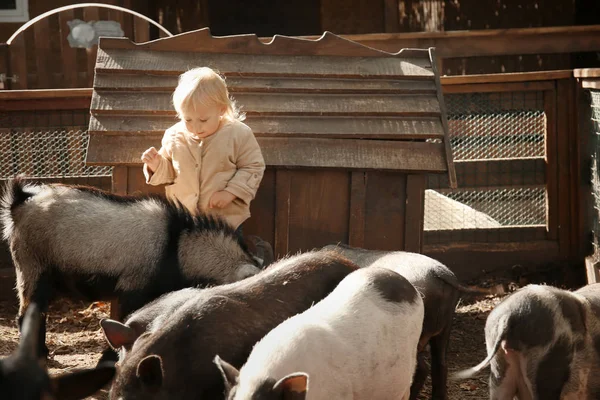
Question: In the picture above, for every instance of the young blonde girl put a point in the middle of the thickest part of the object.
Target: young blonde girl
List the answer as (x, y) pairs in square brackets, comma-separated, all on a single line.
[(209, 160)]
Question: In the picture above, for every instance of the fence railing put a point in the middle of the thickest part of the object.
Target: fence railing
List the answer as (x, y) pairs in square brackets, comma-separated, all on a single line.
[(513, 138), (43, 134)]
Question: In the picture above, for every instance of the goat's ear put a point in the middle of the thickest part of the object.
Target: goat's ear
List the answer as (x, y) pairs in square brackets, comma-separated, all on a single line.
[(117, 334), (83, 383), (293, 386), (150, 372), (30, 331), (228, 371)]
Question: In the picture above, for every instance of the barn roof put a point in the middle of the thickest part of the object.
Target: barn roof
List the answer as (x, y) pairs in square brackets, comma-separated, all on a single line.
[(321, 103)]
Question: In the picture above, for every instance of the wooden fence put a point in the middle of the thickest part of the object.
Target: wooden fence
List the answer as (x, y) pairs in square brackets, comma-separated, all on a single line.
[(38, 66), (563, 236), (29, 106)]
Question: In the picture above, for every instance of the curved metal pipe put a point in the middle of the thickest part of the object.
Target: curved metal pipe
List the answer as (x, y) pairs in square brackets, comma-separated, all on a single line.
[(82, 5)]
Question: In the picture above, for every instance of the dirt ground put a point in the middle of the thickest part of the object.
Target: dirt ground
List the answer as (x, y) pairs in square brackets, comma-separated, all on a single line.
[(75, 340)]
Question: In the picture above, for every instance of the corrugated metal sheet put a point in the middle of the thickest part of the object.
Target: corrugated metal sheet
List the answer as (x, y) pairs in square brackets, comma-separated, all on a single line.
[(327, 103)]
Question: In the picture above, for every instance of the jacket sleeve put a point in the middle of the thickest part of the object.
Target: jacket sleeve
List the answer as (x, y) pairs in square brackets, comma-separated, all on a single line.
[(165, 173), (250, 168)]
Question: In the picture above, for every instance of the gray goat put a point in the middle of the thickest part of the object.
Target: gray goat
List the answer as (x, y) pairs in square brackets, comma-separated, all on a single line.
[(82, 242)]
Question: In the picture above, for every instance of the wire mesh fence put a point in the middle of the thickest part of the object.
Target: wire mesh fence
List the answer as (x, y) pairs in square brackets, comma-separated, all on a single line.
[(498, 143), (46, 144)]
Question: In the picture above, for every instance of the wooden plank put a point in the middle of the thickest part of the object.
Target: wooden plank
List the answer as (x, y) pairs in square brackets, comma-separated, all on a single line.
[(385, 210), (41, 32), (283, 181), (532, 86), (319, 208), (489, 235), (489, 42), (296, 152), (91, 14), (586, 73), (358, 196), (550, 105), (513, 77), (141, 30), (18, 63), (367, 154), (465, 259), (174, 63), (55, 94), (415, 209), (563, 89), (391, 14), (276, 103), (444, 117), (167, 83), (68, 54), (119, 180), (331, 127), (136, 183), (500, 173), (592, 269), (201, 41), (262, 208), (68, 103), (4, 65)]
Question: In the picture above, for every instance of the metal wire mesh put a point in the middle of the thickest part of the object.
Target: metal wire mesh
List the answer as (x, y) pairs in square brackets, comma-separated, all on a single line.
[(46, 144), (498, 143)]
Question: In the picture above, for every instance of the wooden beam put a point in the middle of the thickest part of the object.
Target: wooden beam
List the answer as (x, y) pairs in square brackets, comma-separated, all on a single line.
[(489, 42), (45, 94), (506, 78)]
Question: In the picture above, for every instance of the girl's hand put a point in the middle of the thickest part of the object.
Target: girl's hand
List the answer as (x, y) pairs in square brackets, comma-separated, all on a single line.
[(220, 199), (151, 158)]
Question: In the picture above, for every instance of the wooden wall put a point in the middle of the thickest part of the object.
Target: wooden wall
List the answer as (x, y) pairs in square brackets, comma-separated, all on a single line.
[(41, 56)]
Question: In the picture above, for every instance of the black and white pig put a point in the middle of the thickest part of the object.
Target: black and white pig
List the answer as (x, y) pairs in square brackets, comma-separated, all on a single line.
[(82, 242), (23, 377), (543, 343), (441, 291), (360, 342), (173, 359)]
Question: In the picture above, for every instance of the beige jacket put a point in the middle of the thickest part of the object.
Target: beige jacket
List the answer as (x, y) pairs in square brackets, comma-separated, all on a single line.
[(230, 159)]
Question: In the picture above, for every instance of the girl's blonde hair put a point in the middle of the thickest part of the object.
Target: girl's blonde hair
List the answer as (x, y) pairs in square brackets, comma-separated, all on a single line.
[(206, 87)]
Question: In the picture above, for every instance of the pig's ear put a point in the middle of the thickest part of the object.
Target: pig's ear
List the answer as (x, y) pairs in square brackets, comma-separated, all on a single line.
[(228, 371), (293, 386), (117, 334), (150, 372)]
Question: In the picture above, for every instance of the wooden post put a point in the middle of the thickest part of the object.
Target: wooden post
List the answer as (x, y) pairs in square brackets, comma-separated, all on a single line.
[(283, 179), (358, 197), (415, 212)]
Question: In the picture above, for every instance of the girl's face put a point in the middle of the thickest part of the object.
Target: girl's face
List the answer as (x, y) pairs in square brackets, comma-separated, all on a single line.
[(202, 121)]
